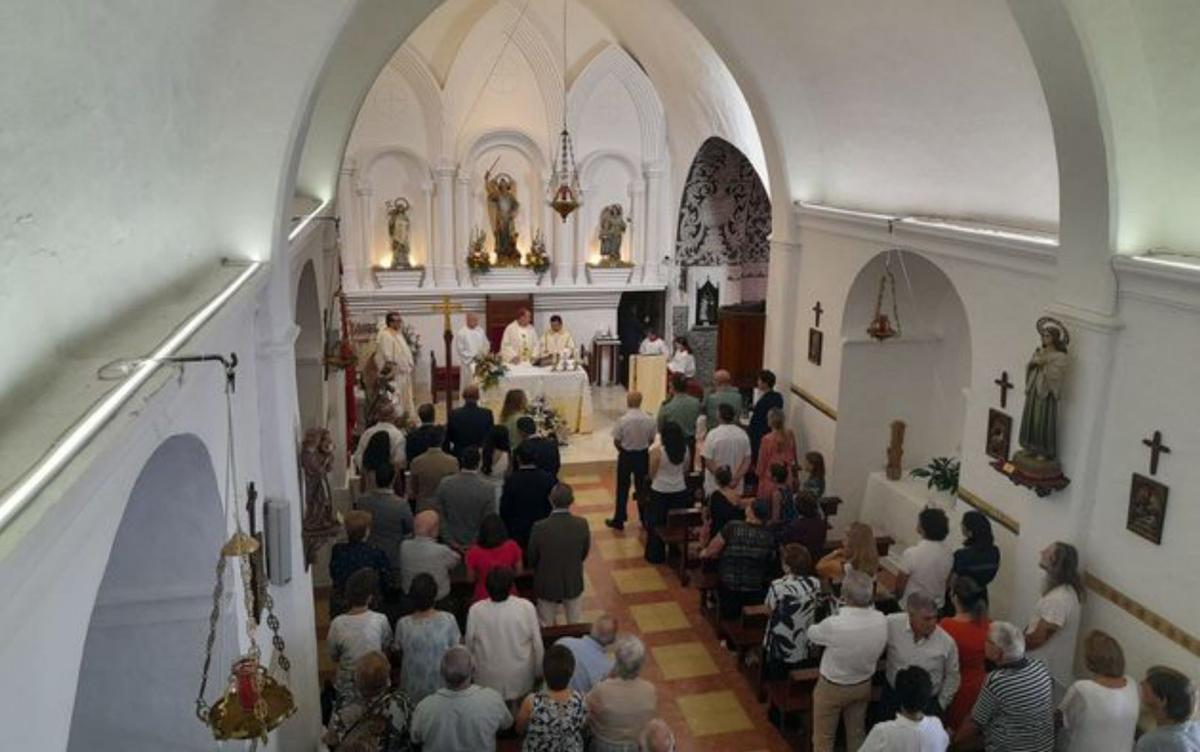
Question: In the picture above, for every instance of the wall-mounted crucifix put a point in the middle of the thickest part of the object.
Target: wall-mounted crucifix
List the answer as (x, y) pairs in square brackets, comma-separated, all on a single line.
[(818, 310), (1004, 385), (1156, 448)]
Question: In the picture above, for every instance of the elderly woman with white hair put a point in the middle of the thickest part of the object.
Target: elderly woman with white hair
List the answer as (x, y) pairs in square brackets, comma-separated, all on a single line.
[(620, 706), (1015, 709)]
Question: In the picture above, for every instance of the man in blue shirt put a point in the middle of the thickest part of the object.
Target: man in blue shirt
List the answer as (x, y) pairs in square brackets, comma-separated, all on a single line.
[(592, 661)]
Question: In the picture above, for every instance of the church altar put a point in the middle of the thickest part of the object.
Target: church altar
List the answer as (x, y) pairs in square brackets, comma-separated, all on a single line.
[(568, 393)]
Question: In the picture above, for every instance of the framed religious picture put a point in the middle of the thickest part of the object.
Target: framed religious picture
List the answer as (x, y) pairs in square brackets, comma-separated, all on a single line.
[(816, 341), (1147, 508), (999, 435)]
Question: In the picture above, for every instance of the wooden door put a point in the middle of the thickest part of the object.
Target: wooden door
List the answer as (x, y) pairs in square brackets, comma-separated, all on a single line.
[(740, 335)]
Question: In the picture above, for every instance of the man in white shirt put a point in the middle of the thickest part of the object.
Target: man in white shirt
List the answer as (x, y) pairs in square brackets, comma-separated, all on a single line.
[(520, 342), (925, 567), (915, 639), (461, 715), (912, 730), (853, 639), (632, 435), (470, 344), (654, 345), (391, 349), (557, 342), (727, 445)]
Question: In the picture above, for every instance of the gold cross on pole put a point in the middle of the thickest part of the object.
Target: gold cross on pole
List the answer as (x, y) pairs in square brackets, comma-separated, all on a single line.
[(446, 308)]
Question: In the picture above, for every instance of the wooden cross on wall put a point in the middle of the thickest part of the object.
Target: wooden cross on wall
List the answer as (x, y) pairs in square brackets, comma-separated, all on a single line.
[(1004, 385), (818, 310), (1156, 448)]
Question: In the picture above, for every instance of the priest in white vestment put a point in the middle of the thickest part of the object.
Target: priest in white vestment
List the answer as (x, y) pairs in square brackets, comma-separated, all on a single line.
[(392, 349), (520, 343), (470, 344), (653, 345), (557, 341)]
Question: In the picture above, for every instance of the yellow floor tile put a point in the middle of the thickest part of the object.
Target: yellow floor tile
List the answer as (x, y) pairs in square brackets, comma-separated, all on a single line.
[(638, 580), (596, 519), (620, 548), (684, 661), (580, 479), (592, 614), (593, 498), (659, 617), (713, 713)]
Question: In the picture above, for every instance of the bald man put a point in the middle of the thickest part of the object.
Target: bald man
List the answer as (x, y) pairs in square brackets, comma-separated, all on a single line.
[(470, 344), (723, 393), (422, 553), (632, 435), (520, 343), (592, 661)]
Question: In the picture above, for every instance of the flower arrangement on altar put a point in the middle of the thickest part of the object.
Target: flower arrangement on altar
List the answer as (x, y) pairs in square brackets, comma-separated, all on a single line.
[(478, 260), (412, 338), (549, 422), (538, 259), (489, 369)]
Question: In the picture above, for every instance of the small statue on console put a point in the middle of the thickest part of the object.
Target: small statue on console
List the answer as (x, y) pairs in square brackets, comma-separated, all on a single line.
[(316, 460), (1036, 465), (895, 451), (398, 225), (612, 231)]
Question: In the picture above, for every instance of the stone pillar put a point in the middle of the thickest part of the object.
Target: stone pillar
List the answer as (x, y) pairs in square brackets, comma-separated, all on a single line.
[(363, 194), (656, 247), (462, 229), (636, 229), (580, 235), (348, 211), (564, 261), (432, 252)]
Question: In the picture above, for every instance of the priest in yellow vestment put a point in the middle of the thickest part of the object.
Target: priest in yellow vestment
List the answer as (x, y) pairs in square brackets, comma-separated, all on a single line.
[(557, 341), (520, 342)]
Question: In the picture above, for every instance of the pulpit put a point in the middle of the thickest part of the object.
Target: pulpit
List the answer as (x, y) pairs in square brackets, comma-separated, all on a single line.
[(740, 332), (648, 375)]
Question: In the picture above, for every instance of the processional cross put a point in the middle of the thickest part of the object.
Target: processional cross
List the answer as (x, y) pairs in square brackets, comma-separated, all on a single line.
[(446, 308), (1156, 448), (1004, 385)]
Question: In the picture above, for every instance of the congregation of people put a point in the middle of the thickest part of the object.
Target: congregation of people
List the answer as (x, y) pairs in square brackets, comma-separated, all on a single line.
[(907, 652)]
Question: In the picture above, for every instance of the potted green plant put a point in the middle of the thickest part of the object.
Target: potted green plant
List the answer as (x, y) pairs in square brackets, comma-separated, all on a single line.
[(941, 475)]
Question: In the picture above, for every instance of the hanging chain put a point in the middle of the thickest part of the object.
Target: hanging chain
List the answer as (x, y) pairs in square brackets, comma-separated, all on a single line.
[(276, 638), (213, 618)]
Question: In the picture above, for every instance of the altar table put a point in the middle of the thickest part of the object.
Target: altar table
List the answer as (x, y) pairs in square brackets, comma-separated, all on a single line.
[(568, 393)]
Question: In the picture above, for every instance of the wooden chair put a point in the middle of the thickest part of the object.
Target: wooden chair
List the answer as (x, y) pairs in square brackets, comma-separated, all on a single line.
[(442, 379), (708, 583), (745, 633), (678, 532)]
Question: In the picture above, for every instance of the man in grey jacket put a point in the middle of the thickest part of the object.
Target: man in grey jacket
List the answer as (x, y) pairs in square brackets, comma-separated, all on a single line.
[(558, 547), (462, 501)]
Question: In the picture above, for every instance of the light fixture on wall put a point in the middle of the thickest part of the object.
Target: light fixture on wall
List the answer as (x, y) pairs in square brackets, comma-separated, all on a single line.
[(565, 195)]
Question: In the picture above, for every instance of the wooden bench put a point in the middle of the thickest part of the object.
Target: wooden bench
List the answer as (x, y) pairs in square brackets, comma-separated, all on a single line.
[(794, 695), (707, 583), (552, 634), (678, 532)]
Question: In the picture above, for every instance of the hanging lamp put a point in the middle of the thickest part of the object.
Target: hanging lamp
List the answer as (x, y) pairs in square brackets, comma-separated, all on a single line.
[(564, 194), (881, 327), (254, 701)]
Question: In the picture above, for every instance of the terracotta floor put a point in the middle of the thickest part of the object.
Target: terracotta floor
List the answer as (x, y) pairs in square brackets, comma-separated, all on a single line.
[(702, 695)]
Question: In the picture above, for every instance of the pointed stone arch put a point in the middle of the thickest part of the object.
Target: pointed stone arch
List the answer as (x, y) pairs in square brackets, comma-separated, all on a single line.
[(413, 69), (616, 62)]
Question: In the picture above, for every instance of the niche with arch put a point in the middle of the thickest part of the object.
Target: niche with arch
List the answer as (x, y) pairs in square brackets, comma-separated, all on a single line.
[(145, 641), (921, 377), (310, 368)]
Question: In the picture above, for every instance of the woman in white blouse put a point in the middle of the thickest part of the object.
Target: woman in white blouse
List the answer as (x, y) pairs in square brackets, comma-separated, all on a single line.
[(505, 639), (682, 361), (1100, 714)]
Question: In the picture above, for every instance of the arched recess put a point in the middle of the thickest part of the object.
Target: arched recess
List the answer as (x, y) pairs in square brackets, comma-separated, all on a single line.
[(145, 641), (310, 369), (389, 172), (416, 73), (610, 177), (920, 377), (616, 62)]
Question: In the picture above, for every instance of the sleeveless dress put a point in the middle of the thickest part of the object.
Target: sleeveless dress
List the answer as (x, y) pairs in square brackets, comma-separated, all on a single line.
[(555, 727)]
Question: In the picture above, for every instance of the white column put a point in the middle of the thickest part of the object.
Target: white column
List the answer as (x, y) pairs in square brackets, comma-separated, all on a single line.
[(656, 247), (636, 229), (580, 249), (564, 257), (363, 195), (348, 211), (461, 229), (432, 253)]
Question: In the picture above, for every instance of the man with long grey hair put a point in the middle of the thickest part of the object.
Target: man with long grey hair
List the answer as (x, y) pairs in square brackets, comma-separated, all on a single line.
[(854, 639), (461, 715), (1015, 709), (620, 706)]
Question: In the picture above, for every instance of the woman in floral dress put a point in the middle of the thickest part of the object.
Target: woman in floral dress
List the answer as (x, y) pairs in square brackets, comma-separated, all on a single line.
[(553, 719), (792, 601)]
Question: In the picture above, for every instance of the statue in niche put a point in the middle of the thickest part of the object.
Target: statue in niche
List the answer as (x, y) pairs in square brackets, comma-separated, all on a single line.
[(316, 461), (612, 230), (502, 212), (708, 299), (398, 225), (1036, 465)]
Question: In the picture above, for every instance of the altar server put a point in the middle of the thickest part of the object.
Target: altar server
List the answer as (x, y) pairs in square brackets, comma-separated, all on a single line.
[(470, 344), (520, 343), (557, 341), (683, 361), (653, 345), (391, 349)]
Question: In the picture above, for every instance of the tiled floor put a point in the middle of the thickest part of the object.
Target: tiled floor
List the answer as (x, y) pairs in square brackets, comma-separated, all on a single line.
[(702, 695)]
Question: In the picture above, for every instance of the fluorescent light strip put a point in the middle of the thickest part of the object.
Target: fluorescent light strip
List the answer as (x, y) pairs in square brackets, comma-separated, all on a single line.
[(95, 419), (1194, 266), (988, 232), (848, 212), (304, 222)]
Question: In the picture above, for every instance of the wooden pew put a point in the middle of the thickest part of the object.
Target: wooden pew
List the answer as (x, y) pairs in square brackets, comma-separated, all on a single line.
[(745, 632), (678, 532), (794, 696), (552, 634)]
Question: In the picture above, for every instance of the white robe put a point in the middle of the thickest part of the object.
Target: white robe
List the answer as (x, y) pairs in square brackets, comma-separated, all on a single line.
[(682, 362), (656, 347), (390, 347), (469, 344), (520, 344), (558, 343)]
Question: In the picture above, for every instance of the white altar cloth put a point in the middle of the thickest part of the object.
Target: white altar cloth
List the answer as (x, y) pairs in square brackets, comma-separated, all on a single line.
[(569, 393)]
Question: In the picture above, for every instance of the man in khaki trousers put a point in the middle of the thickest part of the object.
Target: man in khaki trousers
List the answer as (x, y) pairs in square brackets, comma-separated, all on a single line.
[(854, 640)]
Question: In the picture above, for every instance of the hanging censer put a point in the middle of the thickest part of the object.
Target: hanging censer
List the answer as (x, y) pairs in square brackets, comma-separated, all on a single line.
[(881, 327), (254, 703)]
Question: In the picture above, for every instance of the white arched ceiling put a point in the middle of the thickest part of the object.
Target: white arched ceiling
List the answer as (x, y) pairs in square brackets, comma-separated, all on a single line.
[(613, 64), (425, 88), (929, 107)]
